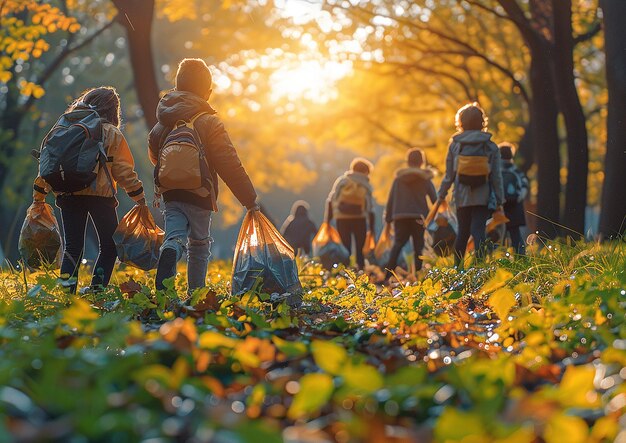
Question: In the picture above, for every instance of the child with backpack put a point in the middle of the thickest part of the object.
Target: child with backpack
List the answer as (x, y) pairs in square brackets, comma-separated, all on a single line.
[(351, 203), (298, 229), (516, 188), (473, 166), (87, 138), (190, 148), (407, 207)]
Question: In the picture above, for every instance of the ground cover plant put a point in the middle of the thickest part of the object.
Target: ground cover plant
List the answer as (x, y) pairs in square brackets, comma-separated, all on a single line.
[(513, 350)]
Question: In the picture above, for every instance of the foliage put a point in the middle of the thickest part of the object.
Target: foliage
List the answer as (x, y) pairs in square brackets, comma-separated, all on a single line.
[(25, 26), (511, 350)]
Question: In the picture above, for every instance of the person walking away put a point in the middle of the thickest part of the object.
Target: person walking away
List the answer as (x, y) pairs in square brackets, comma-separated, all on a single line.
[(298, 229), (351, 203), (98, 201), (190, 148), (473, 165), (407, 207), (516, 188)]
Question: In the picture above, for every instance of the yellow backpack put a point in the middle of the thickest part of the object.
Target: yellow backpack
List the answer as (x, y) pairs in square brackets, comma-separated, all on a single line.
[(352, 199), (182, 163), (473, 170)]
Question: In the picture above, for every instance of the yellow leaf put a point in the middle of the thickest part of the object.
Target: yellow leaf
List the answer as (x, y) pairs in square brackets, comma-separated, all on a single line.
[(315, 391), (605, 429), (79, 315), (565, 428), (363, 377), (576, 387), (500, 278), (502, 301), (214, 340), (5, 76), (454, 425), (329, 356)]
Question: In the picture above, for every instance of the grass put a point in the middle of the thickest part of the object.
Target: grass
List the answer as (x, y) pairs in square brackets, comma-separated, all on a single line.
[(516, 349)]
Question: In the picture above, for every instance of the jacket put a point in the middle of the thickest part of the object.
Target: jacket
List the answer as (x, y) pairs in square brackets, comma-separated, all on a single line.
[(333, 197), (514, 211), (221, 156), (490, 194), (298, 229), (407, 198), (120, 163)]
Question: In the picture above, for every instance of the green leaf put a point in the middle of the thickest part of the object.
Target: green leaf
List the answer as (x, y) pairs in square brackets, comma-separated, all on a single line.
[(454, 425), (363, 378), (329, 356), (315, 391), (291, 349)]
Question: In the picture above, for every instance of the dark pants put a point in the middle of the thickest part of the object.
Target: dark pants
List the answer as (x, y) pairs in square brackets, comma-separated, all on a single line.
[(356, 228), (74, 213), (403, 230), (472, 221), (516, 239)]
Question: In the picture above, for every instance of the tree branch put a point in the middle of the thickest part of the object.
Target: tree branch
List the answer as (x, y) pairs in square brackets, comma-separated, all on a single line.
[(595, 29)]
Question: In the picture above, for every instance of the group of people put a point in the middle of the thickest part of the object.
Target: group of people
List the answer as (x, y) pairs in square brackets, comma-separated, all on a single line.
[(485, 181), (190, 148)]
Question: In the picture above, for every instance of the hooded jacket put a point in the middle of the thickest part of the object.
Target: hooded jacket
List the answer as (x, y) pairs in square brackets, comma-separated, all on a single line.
[(298, 229), (221, 156), (121, 167), (407, 198), (490, 194)]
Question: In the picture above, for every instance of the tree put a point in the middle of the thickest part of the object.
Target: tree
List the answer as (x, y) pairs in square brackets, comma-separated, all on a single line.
[(613, 210)]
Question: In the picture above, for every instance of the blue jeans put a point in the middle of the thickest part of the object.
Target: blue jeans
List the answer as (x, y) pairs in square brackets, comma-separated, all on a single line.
[(187, 229)]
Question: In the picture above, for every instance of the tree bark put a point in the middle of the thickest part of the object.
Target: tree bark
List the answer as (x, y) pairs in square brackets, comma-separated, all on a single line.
[(137, 16), (613, 210), (562, 64), (545, 140)]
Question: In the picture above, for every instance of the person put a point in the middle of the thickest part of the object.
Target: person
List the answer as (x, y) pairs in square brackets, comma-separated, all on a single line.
[(350, 202), (516, 188), (298, 229), (407, 207), (473, 166), (97, 202), (188, 210)]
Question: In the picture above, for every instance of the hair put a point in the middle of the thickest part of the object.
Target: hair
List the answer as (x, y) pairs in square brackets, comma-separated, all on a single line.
[(471, 117), (104, 100), (362, 165), (507, 150), (416, 157), (194, 76)]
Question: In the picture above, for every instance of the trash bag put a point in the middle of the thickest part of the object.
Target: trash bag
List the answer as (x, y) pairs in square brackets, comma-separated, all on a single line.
[(382, 252), (138, 239), (369, 248), (262, 253), (40, 240), (442, 230), (328, 248)]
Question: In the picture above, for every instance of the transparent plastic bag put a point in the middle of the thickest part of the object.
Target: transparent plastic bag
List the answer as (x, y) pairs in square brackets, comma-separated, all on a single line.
[(328, 248), (263, 255), (382, 252), (138, 239), (441, 229), (40, 238)]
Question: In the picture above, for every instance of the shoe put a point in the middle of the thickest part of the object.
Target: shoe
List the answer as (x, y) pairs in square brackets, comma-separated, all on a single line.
[(166, 268)]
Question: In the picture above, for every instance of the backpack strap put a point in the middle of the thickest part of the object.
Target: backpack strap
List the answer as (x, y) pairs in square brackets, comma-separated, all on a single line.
[(102, 159)]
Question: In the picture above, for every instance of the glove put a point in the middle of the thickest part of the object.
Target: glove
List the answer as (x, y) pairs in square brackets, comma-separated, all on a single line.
[(255, 207)]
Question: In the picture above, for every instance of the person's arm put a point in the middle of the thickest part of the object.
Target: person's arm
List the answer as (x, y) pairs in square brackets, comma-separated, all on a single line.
[(328, 216), (223, 156), (448, 179), (155, 139), (496, 176), (40, 189), (388, 213), (432, 193), (525, 186), (123, 166)]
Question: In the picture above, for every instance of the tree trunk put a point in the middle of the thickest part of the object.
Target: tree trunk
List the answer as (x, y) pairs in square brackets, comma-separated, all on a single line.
[(545, 139), (137, 16), (574, 117), (613, 211)]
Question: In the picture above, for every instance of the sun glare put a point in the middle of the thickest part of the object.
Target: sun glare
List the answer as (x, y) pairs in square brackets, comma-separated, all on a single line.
[(311, 80)]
